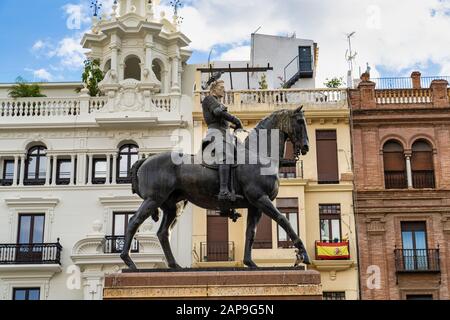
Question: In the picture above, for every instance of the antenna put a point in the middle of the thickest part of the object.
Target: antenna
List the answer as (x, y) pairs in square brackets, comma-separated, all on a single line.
[(350, 57)]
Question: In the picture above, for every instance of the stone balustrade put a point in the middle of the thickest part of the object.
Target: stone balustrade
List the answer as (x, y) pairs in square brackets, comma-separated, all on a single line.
[(402, 96), (242, 99)]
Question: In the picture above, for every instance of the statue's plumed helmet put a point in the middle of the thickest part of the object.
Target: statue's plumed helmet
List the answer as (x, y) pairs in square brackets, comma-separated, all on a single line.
[(215, 84)]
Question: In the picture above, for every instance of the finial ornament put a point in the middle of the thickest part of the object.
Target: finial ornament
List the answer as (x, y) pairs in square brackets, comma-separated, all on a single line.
[(96, 6)]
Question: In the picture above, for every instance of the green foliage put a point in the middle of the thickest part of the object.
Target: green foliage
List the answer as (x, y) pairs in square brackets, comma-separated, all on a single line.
[(334, 82), (22, 89), (263, 83), (91, 77)]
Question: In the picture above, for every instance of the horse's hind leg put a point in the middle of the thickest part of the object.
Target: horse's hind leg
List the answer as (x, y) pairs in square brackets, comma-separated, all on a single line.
[(253, 217), (168, 222), (144, 211)]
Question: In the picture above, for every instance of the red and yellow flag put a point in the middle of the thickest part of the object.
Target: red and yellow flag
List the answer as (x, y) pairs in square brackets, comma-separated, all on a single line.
[(332, 251)]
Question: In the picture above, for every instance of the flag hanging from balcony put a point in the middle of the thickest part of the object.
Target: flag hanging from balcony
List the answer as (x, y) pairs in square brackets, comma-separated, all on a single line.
[(332, 251)]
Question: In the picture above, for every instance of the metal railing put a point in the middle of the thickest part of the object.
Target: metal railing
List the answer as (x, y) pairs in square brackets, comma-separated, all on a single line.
[(114, 244), (395, 180), (216, 251), (417, 260), (423, 179), (262, 244), (35, 253), (405, 82)]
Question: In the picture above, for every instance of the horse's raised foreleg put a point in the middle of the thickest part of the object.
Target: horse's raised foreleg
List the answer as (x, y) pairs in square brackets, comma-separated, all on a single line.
[(253, 217), (168, 222), (266, 206), (144, 211)]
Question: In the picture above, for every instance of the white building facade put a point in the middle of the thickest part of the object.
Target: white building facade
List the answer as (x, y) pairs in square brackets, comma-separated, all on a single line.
[(65, 192)]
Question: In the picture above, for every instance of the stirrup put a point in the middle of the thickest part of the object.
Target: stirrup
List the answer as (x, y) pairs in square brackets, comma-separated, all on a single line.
[(225, 196)]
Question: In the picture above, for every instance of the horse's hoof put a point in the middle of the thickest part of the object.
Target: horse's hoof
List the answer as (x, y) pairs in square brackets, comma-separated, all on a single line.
[(250, 264), (306, 259), (126, 258)]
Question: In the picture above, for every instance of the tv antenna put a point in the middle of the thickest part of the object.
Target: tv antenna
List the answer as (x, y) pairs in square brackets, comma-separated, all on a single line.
[(350, 56)]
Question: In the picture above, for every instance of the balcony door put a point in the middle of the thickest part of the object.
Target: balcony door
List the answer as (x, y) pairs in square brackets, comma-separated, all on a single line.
[(120, 226), (30, 238), (414, 240), (217, 247)]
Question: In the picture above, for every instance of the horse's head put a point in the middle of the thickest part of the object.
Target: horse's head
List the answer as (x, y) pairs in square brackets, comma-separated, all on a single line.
[(299, 133)]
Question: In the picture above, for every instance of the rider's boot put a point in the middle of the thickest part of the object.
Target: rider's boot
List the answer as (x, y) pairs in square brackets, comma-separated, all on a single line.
[(224, 176)]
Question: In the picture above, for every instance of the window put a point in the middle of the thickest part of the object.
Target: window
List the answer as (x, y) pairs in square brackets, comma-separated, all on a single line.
[(114, 243), (330, 222), (419, 297), (289, 208), (394, 166), (133, 68), (99, 174), (289, 169), (36, 165), (26, 293), (334, 296), (8, 172), (64, 171), (128, 155), (327, 161), (30, 233), (263, 237), (414, 241), (422, 165)]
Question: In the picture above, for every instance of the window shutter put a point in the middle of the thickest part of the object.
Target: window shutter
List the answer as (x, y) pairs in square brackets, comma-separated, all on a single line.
[(327, 161), (263, 238), (394, 161), (422, 160), (289, 150)]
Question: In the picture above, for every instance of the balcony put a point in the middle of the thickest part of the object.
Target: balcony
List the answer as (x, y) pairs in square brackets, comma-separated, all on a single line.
[(423, 179), (395, 180), (36, 253), (329, 250), (114, 244), (417, 260), (216, 251), (271, 100)]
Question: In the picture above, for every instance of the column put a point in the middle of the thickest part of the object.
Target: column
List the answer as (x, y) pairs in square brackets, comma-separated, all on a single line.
[(72, 170), (409, 171), (47, 172), (89, 178), (22, 170), (175, 85), (16, 170), (114, 172), (114, 55), (148, 51), (81, 169), (55, 161), (108, 168)]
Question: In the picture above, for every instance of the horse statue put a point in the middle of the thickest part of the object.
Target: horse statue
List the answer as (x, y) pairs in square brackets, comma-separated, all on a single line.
[(163, 184)]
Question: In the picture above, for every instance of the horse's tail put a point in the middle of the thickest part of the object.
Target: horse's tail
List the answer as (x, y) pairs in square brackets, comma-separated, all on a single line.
[(134, 177)]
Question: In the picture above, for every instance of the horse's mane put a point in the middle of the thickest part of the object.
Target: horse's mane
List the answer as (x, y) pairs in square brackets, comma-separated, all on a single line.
[(280, 119)]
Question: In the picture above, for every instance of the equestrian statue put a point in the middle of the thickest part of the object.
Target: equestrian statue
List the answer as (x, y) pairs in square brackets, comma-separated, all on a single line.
[(225, 184)]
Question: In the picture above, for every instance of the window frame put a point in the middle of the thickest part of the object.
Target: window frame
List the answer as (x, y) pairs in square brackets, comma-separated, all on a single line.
[(36, 180), (27, 293), (330, 217), (94, 178), (128, 154), (7, 181), (59, 180), (286, 211)]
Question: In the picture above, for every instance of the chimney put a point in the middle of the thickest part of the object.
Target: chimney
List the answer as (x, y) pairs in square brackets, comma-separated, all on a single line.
[(415, 77)]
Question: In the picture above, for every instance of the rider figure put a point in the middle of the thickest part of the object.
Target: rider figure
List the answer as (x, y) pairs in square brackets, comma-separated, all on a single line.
[(218, 120)]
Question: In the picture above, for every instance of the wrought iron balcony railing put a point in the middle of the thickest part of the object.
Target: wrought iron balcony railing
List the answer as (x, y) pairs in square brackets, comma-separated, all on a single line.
[(114, 244), (395, 180), (36, 253), (216, 251), (417, 260), (423, 179)]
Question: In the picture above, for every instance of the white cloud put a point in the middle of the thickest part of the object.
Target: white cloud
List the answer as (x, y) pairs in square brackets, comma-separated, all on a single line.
[(70, 52), (398, 35), (41, 74), (241, 53), (38, 45)]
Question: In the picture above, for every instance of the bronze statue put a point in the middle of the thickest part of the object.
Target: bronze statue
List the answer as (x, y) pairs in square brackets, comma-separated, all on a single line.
[(163, 184)]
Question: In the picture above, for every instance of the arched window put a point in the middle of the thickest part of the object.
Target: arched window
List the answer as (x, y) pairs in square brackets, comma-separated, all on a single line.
[(36, 165), (128, 155), (132, 68), (394, 166), (422, 165)]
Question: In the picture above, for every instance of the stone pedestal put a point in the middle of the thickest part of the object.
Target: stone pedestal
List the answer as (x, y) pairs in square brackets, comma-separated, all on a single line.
[(215, 284)]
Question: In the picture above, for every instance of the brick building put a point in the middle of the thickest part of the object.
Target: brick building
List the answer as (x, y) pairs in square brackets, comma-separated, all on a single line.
[(401, 147)]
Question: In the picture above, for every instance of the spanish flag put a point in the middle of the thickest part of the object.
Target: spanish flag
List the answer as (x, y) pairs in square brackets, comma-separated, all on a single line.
[(332, 251)]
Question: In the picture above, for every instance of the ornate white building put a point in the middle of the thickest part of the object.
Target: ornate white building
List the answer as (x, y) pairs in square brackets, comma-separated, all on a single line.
[(65, 194)]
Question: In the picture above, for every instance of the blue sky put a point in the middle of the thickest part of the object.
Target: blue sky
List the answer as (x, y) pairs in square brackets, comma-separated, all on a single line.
[(395, 37)]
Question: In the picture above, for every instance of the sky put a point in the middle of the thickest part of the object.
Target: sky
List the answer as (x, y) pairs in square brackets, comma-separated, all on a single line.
[(41, 38)]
